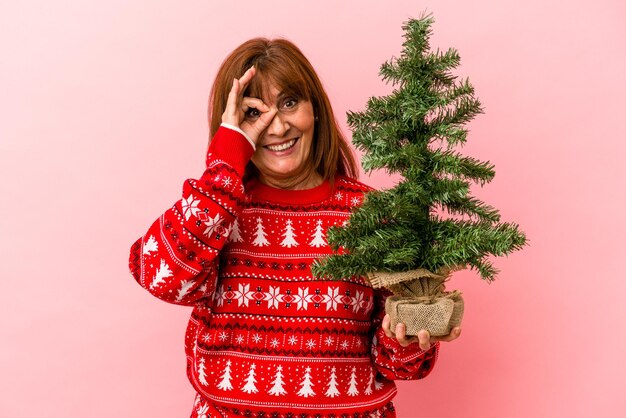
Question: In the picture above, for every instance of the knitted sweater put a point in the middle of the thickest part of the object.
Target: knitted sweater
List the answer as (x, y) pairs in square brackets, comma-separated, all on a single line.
[(263, 332)]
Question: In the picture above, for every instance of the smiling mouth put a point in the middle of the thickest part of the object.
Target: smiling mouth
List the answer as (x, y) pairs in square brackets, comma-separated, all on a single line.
[(282, 147)]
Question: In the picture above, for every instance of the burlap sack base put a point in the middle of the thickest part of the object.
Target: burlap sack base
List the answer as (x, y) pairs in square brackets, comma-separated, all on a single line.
[(420, 300), (378, 279), (438, 316)]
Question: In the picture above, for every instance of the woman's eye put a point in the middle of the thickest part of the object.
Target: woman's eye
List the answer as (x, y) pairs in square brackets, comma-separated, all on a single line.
[(253, 113), (289, 103)]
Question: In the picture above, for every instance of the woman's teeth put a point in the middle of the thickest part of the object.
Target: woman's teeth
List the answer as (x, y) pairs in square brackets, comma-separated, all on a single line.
[(282, 147)]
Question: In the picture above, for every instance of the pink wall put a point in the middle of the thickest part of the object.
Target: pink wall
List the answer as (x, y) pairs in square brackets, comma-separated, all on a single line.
[(103, 117)]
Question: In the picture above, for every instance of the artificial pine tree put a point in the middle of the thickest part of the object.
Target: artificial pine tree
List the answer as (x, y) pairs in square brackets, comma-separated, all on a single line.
[(411, 237)]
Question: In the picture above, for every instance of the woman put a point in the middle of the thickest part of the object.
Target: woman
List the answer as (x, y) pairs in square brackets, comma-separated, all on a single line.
[(265, 338)]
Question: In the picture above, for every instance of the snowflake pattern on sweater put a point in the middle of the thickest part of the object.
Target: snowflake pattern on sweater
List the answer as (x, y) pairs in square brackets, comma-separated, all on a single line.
[(263, 332)]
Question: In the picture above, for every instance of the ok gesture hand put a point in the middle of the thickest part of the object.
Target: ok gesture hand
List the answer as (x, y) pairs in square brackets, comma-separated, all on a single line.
[(239, 109)]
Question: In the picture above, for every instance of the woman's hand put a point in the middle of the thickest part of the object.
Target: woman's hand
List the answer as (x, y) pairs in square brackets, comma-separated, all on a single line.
[(423, 336), (238, 108)]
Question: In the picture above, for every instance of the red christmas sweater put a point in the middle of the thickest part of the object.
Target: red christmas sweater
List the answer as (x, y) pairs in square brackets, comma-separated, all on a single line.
[(264, 333)]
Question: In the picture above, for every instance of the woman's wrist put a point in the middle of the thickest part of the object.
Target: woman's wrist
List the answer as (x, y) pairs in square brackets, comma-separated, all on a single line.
[(238, 129)]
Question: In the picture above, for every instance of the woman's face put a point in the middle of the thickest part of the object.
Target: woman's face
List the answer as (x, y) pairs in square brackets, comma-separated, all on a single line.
[(285, 146)]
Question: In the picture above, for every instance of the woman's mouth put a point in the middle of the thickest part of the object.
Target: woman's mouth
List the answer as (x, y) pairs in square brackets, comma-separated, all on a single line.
[(282, 147)]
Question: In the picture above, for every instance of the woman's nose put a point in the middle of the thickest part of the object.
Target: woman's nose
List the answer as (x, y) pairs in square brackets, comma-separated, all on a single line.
[(278, 126)]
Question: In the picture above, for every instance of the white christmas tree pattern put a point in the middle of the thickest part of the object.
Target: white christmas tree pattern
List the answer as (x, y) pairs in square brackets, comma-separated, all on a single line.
[(250, 381), (306, 388), (202, 411), (226, 378), (318, 236), (332, 390), (235, 233), (190, 207), (185, 287), (202, 372), (278, 388), (378, 385), (150, 246), (370, 382), (259, 235), (289, 236), (352, 389), (162, 273)]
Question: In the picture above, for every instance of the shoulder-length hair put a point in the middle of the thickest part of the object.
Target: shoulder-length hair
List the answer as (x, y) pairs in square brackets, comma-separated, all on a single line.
[(281, 63)]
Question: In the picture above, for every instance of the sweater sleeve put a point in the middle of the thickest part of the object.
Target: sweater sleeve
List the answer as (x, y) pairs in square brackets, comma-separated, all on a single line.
[(177, 260), (391, 359)]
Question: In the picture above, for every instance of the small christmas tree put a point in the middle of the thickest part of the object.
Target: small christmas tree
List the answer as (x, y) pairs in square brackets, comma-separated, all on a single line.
[(317, 240), (185, 288), (289, 236), (370, 383), (150, 246), (202, 372), (332, 390), (352, 389), (235, 233), (259, 235), (162, 273), (306, 386), (278, 387), (250, 386), (413, 132), (225, 383)]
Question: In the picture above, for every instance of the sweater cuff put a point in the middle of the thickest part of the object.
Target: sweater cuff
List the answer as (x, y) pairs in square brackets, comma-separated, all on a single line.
[(235, 128), (231, 146), (393, 345)]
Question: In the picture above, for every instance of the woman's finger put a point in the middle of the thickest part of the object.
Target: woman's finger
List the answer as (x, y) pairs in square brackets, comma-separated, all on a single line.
[(232, 114), (401, 335), (253, 102), (424, 339), (231, 111), (254, 127), (246, 77), (386, 326)]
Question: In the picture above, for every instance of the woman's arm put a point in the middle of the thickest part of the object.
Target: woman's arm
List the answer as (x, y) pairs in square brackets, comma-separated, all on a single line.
[(390, 358), (176, 260)]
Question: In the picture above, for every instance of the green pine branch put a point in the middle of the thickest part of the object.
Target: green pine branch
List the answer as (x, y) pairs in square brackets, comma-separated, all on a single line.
[(413, 131)]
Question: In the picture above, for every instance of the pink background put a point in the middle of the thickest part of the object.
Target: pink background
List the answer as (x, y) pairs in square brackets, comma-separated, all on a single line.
[(104, 115)]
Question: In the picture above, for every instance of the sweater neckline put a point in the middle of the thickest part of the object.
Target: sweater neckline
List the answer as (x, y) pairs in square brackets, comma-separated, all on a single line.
[(262, 192)]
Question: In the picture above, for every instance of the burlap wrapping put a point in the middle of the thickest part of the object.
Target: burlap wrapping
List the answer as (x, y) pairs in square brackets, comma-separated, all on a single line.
[(384, 279), (438, 315), (420, 300)]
